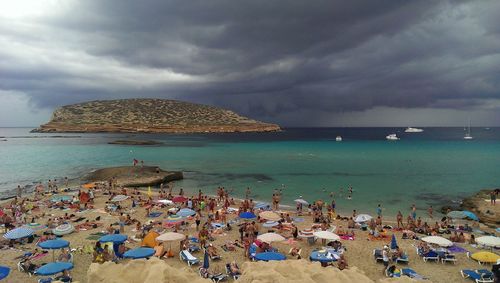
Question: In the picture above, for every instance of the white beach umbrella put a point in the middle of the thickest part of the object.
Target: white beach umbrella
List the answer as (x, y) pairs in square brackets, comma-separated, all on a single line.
[(271, 237), (119, 198), (302, 201), (170, 237), (362, 218), (165, 201), (489, 241), (326, 235), (437, 240), (63, 229), (269, 215)]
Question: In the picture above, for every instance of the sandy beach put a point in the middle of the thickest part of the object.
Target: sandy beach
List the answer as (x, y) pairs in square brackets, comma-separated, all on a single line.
[(358, 252)]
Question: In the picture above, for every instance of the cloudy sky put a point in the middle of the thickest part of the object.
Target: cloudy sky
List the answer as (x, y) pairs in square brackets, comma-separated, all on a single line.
[(297, 63)]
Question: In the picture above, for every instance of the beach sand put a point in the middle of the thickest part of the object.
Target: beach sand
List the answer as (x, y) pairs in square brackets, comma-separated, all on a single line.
[(358, 254)]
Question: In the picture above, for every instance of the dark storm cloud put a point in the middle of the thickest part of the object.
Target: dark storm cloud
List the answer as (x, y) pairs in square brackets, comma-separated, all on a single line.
[(261, 58)]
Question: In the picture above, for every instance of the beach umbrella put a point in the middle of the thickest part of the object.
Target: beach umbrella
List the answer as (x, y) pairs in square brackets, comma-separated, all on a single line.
[(139, 253), (262, 205), (489, 241), (437, 240), (170, 237), (119, 198), (4, 272), (53, 268), (165, 201), (306, 233), (206, 262), (179, 199), (18, 233), (89, 185), (455, 214), (470, 215), (185, 212), (35, 226), (172, 220), (114, 238), (326, 235), (267, 256), (269, 224), (271, 237), (63, 229), (302, 201), (394, 243), (269, 215), (247, 215), (362, 218), (54, 245), (485, 257)]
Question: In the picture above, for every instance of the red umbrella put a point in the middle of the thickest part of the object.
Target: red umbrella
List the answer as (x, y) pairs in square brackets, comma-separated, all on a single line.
[(179, 199)]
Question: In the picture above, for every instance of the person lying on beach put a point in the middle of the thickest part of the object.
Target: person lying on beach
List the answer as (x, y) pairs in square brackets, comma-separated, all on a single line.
[(351, 224), (342, 262), (295, 252), (65, 256), (212, 251)]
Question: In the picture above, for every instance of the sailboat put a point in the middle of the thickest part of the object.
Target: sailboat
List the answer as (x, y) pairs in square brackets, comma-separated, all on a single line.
[(467, 135)]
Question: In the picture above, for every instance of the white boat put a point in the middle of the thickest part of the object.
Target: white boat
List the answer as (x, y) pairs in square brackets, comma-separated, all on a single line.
[(467, 135), (338, 138), (413, 130), (392, 137)]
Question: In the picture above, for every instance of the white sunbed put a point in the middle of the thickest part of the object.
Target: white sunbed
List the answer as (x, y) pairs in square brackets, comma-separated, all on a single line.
[(186, 256)]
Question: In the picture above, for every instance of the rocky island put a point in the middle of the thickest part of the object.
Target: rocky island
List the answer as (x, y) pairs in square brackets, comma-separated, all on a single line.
[(149, 116)]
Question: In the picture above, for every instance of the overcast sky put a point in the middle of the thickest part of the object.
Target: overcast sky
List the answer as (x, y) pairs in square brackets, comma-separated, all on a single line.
[(296, 63)]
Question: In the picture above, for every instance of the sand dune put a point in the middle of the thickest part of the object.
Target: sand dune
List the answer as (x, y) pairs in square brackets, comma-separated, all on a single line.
[(155, 270)]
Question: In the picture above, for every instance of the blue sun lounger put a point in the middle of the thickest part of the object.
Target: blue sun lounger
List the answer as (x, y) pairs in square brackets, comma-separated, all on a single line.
[(430, 255), (412, 274), (478, 276), (186, 256)]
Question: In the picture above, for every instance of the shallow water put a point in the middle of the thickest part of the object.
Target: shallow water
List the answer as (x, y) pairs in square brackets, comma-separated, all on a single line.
[(435, 167)]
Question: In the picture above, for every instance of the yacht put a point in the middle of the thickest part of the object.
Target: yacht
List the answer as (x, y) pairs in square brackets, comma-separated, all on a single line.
[(338, 138), (467, 134), (413, 130), (392, 137)]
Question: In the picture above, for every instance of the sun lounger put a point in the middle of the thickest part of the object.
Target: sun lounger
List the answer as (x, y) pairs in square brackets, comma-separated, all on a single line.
[(186, 256), (448, 258), (230, 273), (430, 255), (204, 273), (412, 274), (402, 259), (377, 254), (476, 276)]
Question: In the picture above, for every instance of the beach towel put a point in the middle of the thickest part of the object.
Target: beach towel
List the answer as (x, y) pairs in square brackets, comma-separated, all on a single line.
[(456, 249), (345, 237)]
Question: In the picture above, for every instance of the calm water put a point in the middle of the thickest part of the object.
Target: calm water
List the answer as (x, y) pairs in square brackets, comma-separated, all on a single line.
[(429, 168)]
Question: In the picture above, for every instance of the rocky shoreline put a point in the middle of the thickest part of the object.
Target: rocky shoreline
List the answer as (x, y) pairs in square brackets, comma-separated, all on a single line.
[(135, 142), (134, 176), (479, 203)]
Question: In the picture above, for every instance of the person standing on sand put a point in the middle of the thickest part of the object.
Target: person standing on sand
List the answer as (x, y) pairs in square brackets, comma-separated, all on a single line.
[(66, 182), (430, 210), (247, 193), (399, 219), (493, 198), (19, 191), (122, 220), (414, 212), (379, 210)]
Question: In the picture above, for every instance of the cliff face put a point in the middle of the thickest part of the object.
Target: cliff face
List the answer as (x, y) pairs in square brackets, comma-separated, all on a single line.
[(149, 116)]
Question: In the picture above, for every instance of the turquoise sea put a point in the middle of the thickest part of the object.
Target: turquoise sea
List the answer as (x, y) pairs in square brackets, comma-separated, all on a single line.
[(435, 167)]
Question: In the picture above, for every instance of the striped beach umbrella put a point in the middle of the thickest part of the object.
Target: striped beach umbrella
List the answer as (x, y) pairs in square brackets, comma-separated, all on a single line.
[(173, 220), (63, 229), (35, 226), (185, 212), (18, 233), (362, 218)]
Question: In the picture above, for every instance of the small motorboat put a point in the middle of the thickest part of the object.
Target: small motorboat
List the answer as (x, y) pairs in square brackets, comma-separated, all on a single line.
[(338, 138), (413, 130), (392, 137)]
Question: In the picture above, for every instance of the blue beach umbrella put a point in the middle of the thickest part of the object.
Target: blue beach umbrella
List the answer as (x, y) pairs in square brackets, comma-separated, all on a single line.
[(267, 256), (139, 253), (53, 268), (394, 243), (185, 212), (114, 238), (247, 215), (58, 198), (470, 215), (4, 272), (54, 245), (18, 233), (206, 262)]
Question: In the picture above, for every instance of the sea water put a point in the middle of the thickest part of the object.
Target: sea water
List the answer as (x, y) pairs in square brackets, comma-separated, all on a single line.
[(436, 167)]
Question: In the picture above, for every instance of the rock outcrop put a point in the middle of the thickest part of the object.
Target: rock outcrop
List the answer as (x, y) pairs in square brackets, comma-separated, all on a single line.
[(149, 116), (134, 176)]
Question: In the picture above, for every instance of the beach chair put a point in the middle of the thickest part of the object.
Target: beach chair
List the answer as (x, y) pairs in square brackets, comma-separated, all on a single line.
[(430, 255), (448, 258), (186, 256), (412, 274), (22, 268), (402, 259), (476, 276), (377, 255), (232, 274), (204, 273), (45, 280)]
